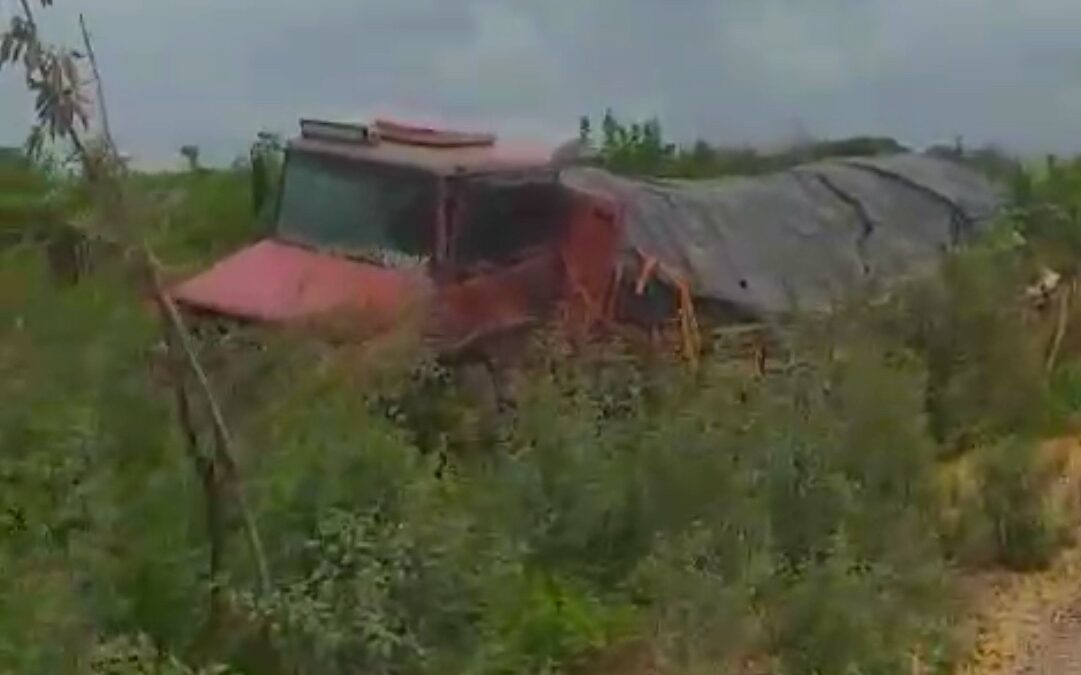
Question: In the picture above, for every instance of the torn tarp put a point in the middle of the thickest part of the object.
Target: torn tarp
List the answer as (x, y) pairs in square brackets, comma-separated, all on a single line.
[(804, 238)]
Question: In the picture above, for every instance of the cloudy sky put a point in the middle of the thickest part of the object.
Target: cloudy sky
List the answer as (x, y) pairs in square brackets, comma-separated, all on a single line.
[(213, 72)]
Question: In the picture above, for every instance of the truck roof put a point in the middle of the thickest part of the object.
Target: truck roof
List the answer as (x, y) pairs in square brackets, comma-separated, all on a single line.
[(444, 152)]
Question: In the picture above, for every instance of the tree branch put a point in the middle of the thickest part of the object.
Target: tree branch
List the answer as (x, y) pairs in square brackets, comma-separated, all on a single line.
[(106, 129), (1061, 326), (223, 444), (208, 476), (29, 14)]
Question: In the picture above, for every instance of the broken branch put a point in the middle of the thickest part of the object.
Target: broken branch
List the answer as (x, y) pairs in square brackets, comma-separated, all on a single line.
[(29, 14), (1060, 328), (223, 445)]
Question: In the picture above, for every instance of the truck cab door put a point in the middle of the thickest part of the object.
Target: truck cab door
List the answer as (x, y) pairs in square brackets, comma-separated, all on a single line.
[(588, 257), (505, 266)]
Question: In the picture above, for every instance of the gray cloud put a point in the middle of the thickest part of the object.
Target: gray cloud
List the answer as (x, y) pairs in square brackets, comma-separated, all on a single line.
[(212, 72)]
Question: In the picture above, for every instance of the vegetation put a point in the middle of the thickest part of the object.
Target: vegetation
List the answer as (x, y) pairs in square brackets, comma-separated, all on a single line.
[(639, 148), (715, 518)]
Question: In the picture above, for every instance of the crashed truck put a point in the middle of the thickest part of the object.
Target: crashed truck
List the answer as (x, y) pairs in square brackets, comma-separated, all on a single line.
[(492, 240)]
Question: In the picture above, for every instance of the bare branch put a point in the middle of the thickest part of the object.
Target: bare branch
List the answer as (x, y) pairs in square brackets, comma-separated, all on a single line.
[(223, 444), (208, 475), (1061, 326), (102, 107), (29, 14)]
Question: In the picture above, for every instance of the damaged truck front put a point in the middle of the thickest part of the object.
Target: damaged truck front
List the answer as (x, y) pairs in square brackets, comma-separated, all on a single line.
[(377, 223)]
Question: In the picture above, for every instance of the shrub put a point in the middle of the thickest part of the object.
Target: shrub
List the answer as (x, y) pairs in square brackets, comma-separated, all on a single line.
[(96, 501), (1065, 393), (984, 361), (137, 655), (1014, 489)]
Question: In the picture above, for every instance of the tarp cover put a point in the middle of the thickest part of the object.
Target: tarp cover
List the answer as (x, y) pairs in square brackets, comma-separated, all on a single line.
[(804, 238)]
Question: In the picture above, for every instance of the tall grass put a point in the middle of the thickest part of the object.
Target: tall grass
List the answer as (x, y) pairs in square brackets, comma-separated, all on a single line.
[(204, 214)]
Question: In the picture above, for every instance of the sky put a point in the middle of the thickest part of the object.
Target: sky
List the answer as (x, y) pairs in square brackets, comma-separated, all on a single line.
[(214, 72)]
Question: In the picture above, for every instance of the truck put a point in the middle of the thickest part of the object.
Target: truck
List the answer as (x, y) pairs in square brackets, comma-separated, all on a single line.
[(481, 240), (375, 222)]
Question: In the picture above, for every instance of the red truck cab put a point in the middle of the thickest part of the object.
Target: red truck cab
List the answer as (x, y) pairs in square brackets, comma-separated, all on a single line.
[(373, 220)]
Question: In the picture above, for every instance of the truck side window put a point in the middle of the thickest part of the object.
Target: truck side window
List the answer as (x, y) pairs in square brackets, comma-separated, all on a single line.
[(500, 222)]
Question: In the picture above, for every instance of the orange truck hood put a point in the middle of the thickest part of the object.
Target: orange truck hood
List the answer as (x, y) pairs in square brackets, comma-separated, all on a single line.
[(273, 281)]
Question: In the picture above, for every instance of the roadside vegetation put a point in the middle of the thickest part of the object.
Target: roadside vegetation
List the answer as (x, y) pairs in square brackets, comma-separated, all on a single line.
[(629, 510), (812, 520)]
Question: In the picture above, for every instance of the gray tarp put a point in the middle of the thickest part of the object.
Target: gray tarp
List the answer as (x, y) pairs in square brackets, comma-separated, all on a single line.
[(803, 238)]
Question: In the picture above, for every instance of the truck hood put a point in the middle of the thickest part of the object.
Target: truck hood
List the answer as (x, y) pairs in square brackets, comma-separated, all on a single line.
[(273, 281)]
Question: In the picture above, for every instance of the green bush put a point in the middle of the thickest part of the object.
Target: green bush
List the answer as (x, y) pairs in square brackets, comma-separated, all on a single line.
[(984, 361), (1014, 489), (684, 508), (1065, 393), (98, 512), (137, 655), (613, 503)]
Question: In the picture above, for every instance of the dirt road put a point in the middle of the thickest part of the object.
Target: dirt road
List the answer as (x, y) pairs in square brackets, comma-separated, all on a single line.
[(1029, 624), (1056, 649)]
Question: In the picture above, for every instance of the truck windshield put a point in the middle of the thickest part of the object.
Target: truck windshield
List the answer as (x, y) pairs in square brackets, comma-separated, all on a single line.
[(357, 208)]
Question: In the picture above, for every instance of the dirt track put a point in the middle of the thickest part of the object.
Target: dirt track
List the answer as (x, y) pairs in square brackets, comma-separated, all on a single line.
[(1056, 650), (1030, 624)]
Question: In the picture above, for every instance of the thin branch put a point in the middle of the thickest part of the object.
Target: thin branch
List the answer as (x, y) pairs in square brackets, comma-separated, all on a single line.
[(106, 129), (29, 15), (208, 476), (1060, 328), (80, 150), (223, 444)]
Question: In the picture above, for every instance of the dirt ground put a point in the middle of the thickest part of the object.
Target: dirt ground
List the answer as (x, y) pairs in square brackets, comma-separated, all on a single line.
[(1030, 624), (1059, 650)]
